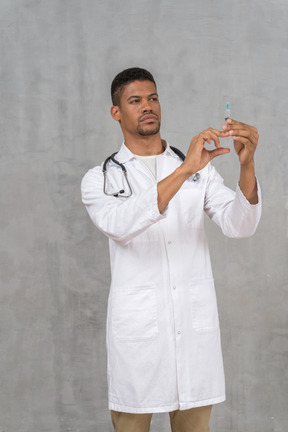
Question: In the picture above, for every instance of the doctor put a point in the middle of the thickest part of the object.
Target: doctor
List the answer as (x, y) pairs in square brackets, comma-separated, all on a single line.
[(163, 338)]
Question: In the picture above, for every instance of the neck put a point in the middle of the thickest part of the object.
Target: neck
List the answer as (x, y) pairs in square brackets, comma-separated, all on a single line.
[(146, 145)]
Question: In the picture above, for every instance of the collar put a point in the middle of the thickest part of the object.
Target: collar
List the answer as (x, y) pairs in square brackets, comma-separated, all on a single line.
[(124, 155)]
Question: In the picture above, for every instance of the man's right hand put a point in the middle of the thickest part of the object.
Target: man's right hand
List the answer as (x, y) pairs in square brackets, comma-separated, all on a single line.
[(198, 156)]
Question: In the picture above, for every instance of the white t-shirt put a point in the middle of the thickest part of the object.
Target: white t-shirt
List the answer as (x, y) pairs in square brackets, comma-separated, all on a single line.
[(150, 162)]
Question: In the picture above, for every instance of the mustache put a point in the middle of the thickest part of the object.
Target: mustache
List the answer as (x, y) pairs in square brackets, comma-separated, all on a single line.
[(148, 114)]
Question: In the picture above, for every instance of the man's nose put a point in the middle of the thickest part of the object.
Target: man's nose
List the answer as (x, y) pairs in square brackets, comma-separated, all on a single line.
[(146, 106)]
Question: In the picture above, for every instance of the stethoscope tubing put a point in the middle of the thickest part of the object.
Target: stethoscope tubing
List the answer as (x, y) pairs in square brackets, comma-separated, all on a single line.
[(181, 155)]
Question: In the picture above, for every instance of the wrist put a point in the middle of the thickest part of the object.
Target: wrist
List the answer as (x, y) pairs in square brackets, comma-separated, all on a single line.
[(248, 183), (248, 166), (182, 173)]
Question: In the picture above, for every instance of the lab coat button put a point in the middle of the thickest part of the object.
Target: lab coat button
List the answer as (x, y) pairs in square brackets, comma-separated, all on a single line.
[(179, 332), (169, 242), (174, 287)]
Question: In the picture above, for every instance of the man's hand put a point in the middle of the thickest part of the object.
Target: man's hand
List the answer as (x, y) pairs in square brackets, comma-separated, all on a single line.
[(245, 140), (198, 156)]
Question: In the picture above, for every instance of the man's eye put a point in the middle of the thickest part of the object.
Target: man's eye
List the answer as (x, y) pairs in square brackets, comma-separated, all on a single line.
[(154, 99), (135, 101)]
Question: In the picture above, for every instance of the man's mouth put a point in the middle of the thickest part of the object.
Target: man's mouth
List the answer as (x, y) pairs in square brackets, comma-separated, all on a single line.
[(148, 118)]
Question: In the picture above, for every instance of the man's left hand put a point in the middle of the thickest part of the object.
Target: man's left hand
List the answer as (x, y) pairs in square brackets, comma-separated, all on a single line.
[(245, 139)]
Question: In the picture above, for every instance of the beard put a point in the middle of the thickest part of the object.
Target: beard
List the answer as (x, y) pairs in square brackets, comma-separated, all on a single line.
[(147, 130)]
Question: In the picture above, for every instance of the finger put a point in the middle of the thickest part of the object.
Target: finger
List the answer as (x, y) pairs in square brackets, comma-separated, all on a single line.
[(244, 141), (218, 152), (247, 132), (209, 136), (213, 135), (234, 124), (238, 125), (220, 134), (217, 132), (237, 134), (239, 129)]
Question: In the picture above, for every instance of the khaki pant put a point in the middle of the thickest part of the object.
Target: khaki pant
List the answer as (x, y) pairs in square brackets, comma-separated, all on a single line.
[(192, 420)]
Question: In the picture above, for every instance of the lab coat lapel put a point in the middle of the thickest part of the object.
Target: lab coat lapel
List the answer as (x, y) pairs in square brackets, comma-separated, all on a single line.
[(130, 161)]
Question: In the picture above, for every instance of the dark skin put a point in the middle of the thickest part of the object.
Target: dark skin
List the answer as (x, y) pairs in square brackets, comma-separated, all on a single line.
[(139, 115), (245, 139), (245, 142)]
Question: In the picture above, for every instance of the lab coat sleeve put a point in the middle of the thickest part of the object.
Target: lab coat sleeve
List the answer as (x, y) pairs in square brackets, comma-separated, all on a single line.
[(231, 210), (121, 219)]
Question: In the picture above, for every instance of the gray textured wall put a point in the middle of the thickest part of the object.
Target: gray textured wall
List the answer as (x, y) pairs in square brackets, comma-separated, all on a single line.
[(57, 61)]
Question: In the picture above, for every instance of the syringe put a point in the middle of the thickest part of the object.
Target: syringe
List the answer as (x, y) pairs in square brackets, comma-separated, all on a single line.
[(227, 115)]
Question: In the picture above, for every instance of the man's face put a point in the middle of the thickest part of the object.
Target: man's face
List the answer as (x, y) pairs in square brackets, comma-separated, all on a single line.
[(139, 112)]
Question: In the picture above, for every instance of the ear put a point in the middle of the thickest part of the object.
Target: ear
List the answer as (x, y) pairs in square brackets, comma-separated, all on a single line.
[(115, 112)]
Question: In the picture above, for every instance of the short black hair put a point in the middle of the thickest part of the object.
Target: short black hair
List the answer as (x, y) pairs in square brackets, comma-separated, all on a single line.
[(126, 77)]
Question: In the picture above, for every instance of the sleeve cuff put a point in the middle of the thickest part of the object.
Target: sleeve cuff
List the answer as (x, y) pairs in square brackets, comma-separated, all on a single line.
[(156, 215), (243, 200)]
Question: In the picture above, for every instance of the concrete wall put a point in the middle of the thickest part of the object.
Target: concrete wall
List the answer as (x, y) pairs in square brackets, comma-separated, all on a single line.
[(58, 58)]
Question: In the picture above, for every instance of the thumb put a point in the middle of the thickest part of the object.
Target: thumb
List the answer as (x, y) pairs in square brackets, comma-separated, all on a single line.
[(218, 152)]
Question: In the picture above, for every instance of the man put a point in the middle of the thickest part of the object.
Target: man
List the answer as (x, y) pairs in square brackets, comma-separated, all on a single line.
[(163, 339)]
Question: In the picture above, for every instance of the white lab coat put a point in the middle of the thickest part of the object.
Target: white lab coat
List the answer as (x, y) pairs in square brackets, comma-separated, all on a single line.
[(163, 339)]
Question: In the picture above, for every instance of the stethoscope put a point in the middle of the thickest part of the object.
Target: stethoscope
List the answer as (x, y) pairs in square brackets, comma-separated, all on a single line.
[(195, 177)]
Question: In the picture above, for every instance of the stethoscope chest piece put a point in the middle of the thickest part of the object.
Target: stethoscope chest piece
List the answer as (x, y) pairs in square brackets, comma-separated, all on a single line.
[(195, 177)]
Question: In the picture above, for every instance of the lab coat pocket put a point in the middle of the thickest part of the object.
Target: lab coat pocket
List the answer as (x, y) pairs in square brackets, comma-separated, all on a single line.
[(134, 313), (204, 311)]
